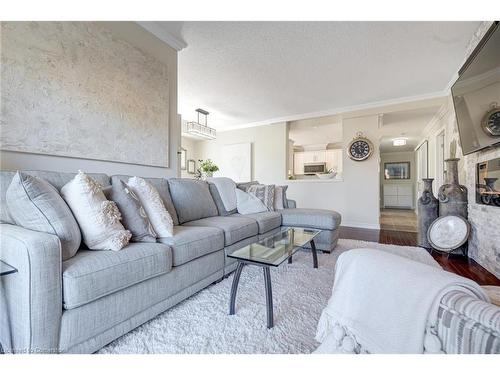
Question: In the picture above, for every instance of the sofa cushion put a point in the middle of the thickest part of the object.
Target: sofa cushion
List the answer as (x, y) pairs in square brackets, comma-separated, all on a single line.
[(310, 218), (37, 205), (218, 201), (90, 275), (236, 228), (192, 199), (266, 221), (161, 184), (190, 242)]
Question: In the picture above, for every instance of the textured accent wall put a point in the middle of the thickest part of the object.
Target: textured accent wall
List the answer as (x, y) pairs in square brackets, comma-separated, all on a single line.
[(484, 243), (73, 89)]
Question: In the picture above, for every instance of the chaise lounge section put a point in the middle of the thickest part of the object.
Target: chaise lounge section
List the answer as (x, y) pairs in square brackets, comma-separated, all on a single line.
[(83, 303)]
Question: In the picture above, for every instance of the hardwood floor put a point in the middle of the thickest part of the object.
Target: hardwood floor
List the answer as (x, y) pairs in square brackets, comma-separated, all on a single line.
[(462, 266), (398, 219)]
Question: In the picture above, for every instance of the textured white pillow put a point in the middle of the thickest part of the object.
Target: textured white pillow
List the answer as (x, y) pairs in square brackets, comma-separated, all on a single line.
[(98, 218), (153, 205)]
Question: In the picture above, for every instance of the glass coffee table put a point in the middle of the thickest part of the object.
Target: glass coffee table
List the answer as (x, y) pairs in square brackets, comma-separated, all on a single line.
[(271, 252)]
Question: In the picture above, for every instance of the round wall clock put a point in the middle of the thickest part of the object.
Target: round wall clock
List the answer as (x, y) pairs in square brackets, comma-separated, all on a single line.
[(491, 121), (360, 148), (448, 233)]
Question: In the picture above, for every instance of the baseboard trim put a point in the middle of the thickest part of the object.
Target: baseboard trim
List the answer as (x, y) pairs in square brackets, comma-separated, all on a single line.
[(357, 224)]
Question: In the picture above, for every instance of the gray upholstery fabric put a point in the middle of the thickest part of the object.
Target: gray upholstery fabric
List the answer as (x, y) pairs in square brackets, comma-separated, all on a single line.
[(30, 300), (245, 185), (189, 242), (192, 199), (218, 201), (161, 184), (134, 218), (290, 203), (236, 228), (115, 331), (91, 275), (266, 221), (56, 179), (311, 218), (90, 320), (35, 204), (326, 240), (280, 201)]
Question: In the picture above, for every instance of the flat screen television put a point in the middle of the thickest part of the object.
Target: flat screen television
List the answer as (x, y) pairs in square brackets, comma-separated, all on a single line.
[(476, 95)]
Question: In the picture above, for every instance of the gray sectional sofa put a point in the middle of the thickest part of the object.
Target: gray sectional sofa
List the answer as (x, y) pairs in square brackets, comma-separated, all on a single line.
[(81, 304)]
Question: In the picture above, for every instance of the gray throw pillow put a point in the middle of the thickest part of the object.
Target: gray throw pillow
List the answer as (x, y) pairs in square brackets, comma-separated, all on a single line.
[(192, 199), (134, 217), (265, 193), (35, 204), (280, 201)]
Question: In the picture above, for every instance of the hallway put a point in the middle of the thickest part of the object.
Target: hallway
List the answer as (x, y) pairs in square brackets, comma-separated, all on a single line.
[(398, 220)]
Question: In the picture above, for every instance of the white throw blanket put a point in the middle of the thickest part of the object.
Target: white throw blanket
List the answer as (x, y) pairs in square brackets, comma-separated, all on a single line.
[(227, 191), (248, 204), (385, 303)]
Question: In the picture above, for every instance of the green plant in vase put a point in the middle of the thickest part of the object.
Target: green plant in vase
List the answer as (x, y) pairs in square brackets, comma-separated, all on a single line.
[(207, 168)]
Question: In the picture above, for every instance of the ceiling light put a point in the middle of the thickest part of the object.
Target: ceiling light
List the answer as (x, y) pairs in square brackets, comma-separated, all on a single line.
[(399, 141), (201, 130)]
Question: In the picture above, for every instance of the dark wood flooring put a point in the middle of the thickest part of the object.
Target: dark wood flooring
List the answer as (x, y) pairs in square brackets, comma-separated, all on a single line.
[(460, 265)]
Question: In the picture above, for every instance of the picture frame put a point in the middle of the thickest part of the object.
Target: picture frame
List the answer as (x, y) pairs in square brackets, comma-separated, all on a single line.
[(191, 166), (397, 170), (183, 158)]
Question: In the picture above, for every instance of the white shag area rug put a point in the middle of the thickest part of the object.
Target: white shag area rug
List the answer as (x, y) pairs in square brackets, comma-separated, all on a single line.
[(201, 323)]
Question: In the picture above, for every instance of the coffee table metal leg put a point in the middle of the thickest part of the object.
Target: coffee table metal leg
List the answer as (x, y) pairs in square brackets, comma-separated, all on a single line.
[(290, 260), (315, 254), (234, 287), (269, 297)]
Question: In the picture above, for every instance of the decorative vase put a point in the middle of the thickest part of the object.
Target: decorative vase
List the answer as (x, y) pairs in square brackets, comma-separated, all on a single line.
[(427, 212), (452, 196), (206, 175)]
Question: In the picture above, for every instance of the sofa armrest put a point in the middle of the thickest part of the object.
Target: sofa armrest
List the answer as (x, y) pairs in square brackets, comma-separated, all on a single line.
[(468, 325), (291, 203), (31, 299)]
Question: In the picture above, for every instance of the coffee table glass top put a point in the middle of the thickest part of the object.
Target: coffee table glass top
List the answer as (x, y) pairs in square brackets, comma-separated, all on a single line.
[(274, 250)]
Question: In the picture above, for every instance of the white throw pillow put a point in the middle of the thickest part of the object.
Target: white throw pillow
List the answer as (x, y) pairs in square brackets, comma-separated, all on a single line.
[(153, 205), (248, 204), (98, 218)]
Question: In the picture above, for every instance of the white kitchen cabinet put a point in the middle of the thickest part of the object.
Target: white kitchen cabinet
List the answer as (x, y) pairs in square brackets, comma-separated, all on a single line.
[(298, 163), (334, 160), (398, 195)]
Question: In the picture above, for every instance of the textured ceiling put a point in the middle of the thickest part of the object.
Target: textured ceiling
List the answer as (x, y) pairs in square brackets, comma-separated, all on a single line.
[(405, 124), (246, 72)]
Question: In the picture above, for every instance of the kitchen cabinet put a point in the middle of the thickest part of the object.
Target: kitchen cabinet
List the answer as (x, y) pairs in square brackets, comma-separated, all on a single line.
[(332, 158)]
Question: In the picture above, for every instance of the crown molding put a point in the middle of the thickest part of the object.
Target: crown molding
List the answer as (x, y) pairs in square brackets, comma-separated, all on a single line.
[(347, 110), (162, 34)]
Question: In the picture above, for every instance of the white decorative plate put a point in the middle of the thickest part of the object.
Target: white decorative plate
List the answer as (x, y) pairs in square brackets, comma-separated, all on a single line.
[(447, 233)]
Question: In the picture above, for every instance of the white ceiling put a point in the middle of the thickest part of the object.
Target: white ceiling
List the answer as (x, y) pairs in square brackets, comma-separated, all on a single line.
[(405, 124), (251, 72)]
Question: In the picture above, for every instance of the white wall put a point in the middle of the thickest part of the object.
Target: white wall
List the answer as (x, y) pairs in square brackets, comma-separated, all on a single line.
[(394, 157), (356, 197), (269, 150), (192, 147), (140, 38)]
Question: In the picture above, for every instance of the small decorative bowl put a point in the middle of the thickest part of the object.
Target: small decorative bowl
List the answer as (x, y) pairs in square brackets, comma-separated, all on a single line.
[(326, 176)]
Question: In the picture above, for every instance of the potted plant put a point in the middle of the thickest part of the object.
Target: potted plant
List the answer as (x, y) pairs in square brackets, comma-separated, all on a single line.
[(207, 168)]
